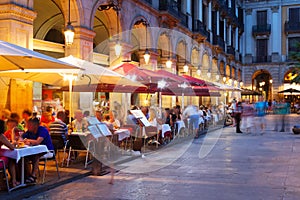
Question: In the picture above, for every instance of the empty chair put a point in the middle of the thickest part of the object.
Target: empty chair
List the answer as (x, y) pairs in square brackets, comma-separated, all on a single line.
[(43, 161), (59, 145), (77, 145), (151, 132)]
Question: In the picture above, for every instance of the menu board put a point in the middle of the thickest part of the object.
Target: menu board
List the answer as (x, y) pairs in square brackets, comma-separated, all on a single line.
[(92, 120), (95, 131), (103, 129), (141, 117)]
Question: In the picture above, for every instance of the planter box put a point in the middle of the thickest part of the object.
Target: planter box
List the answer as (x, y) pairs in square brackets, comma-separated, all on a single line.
[(296, 129)]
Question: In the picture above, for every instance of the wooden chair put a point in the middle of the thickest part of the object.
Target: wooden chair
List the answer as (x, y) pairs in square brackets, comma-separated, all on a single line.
[(150, 132), (3, 170)]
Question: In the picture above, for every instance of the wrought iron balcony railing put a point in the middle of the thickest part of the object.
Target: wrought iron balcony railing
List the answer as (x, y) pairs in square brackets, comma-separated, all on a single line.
[(291, 27), (230, 50), (264, 29), (217, 40), (199, 27), (169, 6), (261, 59)]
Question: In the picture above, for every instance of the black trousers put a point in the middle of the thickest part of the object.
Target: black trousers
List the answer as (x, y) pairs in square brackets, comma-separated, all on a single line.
[(238, 122)]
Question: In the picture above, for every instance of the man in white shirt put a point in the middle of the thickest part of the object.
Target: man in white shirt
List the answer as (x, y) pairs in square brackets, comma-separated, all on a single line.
[(191, 113)]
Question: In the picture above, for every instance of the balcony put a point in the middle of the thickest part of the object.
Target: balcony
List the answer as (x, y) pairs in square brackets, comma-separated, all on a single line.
[(223, 7), (169, 6), (261, 59), (199, 27), (184, 19), (230, 50), (217, 40), (264, 29), (148, 1), (291, 27)]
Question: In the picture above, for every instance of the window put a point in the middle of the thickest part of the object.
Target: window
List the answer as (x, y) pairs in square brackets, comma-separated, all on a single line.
[(294, 14), (293, 45), (261, 18), (262, 50)]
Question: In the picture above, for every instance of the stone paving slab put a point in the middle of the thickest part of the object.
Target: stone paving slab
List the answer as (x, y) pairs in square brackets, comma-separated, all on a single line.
[(239, 166)]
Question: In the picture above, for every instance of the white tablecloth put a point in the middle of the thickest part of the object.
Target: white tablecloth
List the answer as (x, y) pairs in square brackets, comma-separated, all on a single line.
[(165, 128), (123, 133), (22, 152), (180, 124), (81, 133)]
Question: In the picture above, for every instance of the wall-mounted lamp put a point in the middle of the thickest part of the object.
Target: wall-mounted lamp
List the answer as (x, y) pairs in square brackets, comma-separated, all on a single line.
[(217, 77), (224, 79), (69, 30), (235, 82), (186, 68), (209, 74), (241, 84), (271, 81), (198, 71)]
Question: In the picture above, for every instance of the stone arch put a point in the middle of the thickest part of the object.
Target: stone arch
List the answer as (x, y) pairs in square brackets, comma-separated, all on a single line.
[(94, 10), (164, 49), (181, 49), (140, 32), (261, 82), (222, 68), (215, 69), (105, 24), (45, 21), (195, 60)]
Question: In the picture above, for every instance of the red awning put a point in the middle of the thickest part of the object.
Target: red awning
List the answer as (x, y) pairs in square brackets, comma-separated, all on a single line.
[(139, 74), (194, 81)]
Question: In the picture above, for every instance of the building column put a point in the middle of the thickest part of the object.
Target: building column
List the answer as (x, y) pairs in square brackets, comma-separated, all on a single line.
[(236, 46), (229, 4), (225, 33), (16, 26), (200, 16), (276, 23), (209, 24), (248, 37), (229, 35), (82, 46), (218, 23)]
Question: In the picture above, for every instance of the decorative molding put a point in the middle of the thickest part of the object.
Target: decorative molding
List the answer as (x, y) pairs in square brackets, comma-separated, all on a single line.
[(274, 9), (14, 12), (248, 11)]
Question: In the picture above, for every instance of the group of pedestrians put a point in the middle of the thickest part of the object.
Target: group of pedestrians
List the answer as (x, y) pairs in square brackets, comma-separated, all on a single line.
[(250, 118)]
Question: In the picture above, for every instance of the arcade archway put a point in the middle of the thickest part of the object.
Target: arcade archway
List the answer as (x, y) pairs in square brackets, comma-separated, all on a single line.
[(262, 82)]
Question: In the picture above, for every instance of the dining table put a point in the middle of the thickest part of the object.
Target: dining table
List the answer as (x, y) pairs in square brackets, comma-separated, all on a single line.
[(122, 133), (19, 153)]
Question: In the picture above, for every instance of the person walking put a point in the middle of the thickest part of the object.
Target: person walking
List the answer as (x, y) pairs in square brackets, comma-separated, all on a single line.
[(191, 113), (260, 109), (238, 113), (247, 117)]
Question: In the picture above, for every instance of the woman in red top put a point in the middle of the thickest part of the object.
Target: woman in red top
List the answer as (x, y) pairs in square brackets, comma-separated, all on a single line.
[(12, 133)]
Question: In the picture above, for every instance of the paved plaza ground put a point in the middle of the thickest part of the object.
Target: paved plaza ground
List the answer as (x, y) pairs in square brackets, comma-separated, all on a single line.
[(219, 165)]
